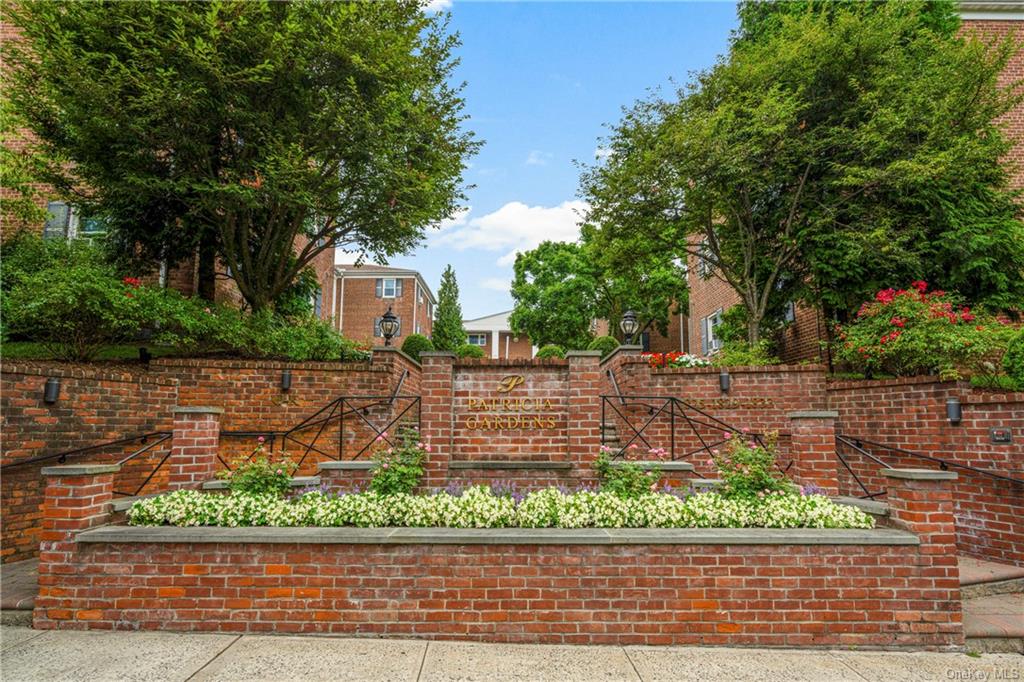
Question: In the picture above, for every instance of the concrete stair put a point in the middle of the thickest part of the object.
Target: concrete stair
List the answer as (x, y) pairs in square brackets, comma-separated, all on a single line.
[(993, 598)]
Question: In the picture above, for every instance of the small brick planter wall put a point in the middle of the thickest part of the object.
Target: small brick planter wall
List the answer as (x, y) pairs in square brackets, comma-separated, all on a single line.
[(879, 588)]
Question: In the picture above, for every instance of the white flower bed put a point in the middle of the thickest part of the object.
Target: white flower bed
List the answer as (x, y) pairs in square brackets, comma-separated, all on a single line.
[(478, 507)]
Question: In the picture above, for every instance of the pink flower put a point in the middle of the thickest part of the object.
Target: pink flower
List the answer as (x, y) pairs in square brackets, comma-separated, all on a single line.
[(654, 486), (728, 435), (920, 285), (745, 430), (384, 465), (426, 448), (261, 439), (711, 462), (279, 472)]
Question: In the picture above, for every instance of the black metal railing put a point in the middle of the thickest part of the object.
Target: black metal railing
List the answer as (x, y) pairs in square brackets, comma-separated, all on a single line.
[(860, 445), (679, 413), (311, 433), (158, 438)]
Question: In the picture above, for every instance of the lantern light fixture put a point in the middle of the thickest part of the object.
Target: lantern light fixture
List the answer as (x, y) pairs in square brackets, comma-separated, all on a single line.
[(629, 326), (388, 326)]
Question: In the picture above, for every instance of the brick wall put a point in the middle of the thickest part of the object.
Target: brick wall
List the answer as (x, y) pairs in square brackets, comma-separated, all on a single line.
[(675, 340), (759, 400), (911, 414), (793, 589), (1013, 122), (250, 393), (94, 406)]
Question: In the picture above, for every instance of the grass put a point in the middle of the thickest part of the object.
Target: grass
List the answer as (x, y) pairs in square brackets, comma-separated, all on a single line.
[(31, 350)]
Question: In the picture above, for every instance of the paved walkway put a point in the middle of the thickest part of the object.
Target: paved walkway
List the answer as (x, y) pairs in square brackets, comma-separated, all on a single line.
[(100, 656)]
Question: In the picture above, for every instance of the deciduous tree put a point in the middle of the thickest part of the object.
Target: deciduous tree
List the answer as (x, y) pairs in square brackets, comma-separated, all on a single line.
[(264, 132)]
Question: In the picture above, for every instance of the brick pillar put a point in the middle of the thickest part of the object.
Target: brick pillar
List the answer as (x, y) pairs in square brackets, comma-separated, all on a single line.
[(921, 501), (584, 427), (436, 415), (76, 498), (814, 449), (194, 446)]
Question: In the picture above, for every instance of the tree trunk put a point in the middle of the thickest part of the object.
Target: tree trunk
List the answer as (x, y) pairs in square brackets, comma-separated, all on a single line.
[(206, 268), (753, 327)]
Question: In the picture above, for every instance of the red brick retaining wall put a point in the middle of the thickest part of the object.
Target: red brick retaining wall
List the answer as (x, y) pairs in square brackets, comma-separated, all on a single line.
[(791, 588), (911, 414), (94, 405)]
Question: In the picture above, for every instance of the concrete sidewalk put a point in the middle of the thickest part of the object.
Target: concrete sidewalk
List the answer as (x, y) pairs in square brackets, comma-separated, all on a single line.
[(27, 654)]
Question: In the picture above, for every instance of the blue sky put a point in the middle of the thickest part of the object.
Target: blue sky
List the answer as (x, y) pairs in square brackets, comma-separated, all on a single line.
[(542, 79)]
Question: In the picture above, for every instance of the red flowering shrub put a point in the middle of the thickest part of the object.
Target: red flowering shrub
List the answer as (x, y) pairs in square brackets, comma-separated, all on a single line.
[(915, 331)]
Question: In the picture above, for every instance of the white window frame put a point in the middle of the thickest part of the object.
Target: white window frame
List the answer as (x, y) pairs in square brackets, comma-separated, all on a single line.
[(481, 339), (384, 281), (710, 343)]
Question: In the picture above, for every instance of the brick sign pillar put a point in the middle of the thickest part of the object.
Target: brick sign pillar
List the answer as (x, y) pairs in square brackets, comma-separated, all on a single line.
[(194, 446), (436, 383), (77, 498), (921, 501), (584, 419), (814, 449)]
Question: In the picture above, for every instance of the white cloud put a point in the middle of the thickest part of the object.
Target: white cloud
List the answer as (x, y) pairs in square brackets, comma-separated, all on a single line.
[(457, 220), (516, 227), (496, 284), (538, 158), (435, 6)]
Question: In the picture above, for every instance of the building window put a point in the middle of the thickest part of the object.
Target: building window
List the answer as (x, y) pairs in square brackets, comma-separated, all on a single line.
[(317, 299), (790, 314), (478, 339), (58, 220), (419, 328), (419, 294), (704, 265), (376, 327), (389, 287), (709, 342)]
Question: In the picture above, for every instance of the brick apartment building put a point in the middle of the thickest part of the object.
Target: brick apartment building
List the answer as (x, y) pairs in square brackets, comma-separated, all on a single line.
[(363, 293), (710, 295)]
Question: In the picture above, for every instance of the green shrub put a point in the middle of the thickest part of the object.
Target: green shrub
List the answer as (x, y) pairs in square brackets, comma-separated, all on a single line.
[(605, 344), (1013, 359), (748, 469), (26, 253), (741, 353), (260, 473), (400, 468), (913, 331), (469, 350), (550, 351), (624, 478), (415, 344), (75, 311)]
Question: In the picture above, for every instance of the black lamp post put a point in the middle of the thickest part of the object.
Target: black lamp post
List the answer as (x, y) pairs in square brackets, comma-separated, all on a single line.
[(388, 326), (628, 325)]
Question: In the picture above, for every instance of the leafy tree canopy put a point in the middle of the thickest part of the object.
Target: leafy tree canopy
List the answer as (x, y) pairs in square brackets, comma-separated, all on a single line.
[(824, 158), (268, 131)]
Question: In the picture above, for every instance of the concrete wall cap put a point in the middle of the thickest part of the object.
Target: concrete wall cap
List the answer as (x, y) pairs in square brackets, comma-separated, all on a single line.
[(348, 465), (498, 536), (80, 469), (582, 354), (814, 414), (394, 349), (921, 474), (198, 410), (625, 350), (664, 466)]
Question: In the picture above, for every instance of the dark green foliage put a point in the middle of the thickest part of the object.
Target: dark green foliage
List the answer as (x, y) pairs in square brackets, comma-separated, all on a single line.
[(1013, 359), (399, 468), (415, 344), (561, 288), (605, 344), (448, 333), (469, 350), (265, 133), (550, 351), (260, 473), (833, 154)]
